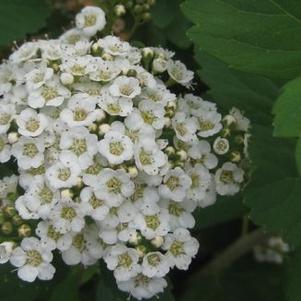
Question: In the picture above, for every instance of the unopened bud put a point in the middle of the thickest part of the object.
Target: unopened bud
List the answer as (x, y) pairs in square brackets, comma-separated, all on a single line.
[(13, 137), (147, 52), (141, 250), (157, 241), (67, 78), (10, 211), (133, 171), (132, 73), (17, 220), (229, 120), (182, 155), (119, 10), (7, 228), (170, 150), (93, 128), (66, 193), (96, 50), (103, 129), (159, 65), (24, 230), (100, 115), (235, 156), (221, 146), (107, 57)]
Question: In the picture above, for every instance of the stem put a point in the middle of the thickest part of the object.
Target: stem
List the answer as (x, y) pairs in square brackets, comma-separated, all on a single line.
[(239, 248), (133, 30)]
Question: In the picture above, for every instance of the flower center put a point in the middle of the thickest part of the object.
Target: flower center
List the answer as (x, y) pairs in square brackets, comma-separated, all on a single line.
[(79, 114), (34, 258), (227, 176), (181, 129), (177, 248), (152, 221), (153, 259), (51, 233), (4, 118), (125, 260), (37, 171), (116, 148), (141, 280), (205, 125), (30, 150), (114, 185), (90, 20), (94, 169), (126, 90), (49, 93), (113, 108), (32, 125), (78, 70), (64, 174), (68, 213), (148, 117), (46, 195), (79, 147), (95, 202), (172, 183), (145, 158), (79, 241), (195, 179), (175, 209)]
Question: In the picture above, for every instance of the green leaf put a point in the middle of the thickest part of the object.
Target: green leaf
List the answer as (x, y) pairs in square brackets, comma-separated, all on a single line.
[(19, 18), (251, 93), (287, 110), (298, 155), (225, 209), (67, 288), (257, 36), (294, 277), (246, 280)]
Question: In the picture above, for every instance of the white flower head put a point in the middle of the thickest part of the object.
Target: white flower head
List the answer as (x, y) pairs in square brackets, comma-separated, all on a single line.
[(30, 123), (116, 148), (124, 86), (33, 260), (179, 73), (155, 264), (90, 20), (228, 179)]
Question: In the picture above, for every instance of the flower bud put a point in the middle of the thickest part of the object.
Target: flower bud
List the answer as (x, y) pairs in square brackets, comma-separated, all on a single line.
[(133, 171), (146, 17), (2, 217), (24, 230), (17, 220), (170, 150), (7, 228), (182, 155), (103, 129), (135, 239), (157, 241), (6, 249), (159, 65), (229, 120), (141, 250), (13, 137), (10, 211), (235, 156), (119, 10), (67, 78), (96, 50), (107, 57), (66, 193), (147, 52), (93, 128), (100, 115), (221, 146), (167, 122)]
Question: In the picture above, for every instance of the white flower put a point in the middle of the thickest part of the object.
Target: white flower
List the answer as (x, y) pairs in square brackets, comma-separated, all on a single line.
[(40, 198), (115, 105), (124, 86), (78, 65), (242, 122), (159, 94), (200, 182), (38, 76), (209, 123), (185, 127), (7, 112), (105, 71), (26, 52), (78, 147), (8, 185), (67, 216), (143, 287), (6, 249), (72, 36), (115, 186), (221, 145), (80, 111), (5, 149), (90, 20), (181, 248), (51, 238), (60, 175), (148, 113), (52, 93), (228, 179), (93, 206), (155, 264), (31, 123), (32, 260), (85, 248), (180, 213), (123, 261), (175, 185), (6, 76), (149, 157), (179, 73), (200, 151), (29, 152), (152, 225), (116, 148), (114, 46)]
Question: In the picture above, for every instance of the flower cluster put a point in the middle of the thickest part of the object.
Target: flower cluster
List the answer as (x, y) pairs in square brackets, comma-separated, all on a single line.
[(111, 162)]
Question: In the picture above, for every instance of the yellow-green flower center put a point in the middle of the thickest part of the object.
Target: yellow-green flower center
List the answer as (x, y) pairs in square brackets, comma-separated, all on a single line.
[(152, 221), (116, 148), (79, 114), (145, 158), (49, 93), (33, 258), (90, 20), (172, 183), (32, 125), (30, 150), (68, 213), (227, 176), (125, 260), (79, 146), (177, 248), (46, 195), (64, 174), (153, 259), (4, 118), (114, 185), (95, 202)]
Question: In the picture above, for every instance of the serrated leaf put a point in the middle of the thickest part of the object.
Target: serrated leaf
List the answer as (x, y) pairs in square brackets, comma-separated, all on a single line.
[(228, 87), (258, 36), (225, 209), (246, 280), (19, 17), (287, 110)]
